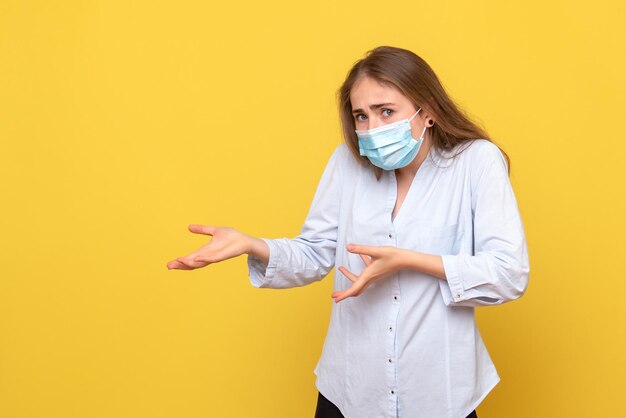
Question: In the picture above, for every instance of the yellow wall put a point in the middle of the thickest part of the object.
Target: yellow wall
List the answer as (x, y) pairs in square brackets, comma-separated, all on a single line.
[(121, 122)]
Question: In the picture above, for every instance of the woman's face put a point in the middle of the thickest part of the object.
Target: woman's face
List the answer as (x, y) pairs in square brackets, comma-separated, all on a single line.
[(375, 104)]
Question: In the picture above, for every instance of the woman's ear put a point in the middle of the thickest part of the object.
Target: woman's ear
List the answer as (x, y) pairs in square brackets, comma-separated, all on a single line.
[(428, 120)]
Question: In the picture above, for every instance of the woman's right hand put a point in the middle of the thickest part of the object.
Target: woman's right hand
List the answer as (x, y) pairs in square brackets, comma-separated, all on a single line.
[(226, 243)]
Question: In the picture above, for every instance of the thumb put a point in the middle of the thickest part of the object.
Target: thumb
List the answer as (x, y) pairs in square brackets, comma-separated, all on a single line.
[(202, 229)]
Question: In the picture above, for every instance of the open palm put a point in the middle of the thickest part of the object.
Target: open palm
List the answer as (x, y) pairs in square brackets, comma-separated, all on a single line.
[(226, 243)]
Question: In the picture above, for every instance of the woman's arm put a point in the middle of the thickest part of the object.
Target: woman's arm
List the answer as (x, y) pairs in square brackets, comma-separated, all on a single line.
[(381, 261), (259, 250), (290, 262), (498, 268), (425, 263), (282, 262)]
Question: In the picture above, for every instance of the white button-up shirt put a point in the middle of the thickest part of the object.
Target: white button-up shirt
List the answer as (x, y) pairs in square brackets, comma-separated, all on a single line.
[(408, 346)]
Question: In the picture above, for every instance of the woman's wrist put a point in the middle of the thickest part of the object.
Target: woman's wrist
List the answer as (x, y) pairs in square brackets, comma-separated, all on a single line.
[(258, 248), (424, 263)]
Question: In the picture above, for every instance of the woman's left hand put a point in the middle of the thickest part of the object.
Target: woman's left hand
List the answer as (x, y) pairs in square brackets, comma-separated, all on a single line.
[(380, 262)]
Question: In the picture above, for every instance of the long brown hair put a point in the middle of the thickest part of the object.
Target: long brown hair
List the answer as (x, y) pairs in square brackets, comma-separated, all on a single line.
[(411, 75)]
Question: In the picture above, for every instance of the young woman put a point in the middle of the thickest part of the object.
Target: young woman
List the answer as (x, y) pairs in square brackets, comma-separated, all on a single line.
[(417, 212)]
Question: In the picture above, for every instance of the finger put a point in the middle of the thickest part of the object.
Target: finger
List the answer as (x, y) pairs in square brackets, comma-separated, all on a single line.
[(354, 290), (363, 249), (339, 296), (351, 291), (188, 261), (202, 229), (175, 264), (348, 274)]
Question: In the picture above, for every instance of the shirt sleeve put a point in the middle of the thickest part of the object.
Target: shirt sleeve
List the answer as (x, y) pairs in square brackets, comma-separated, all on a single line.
[(311, 255), (498, 270)]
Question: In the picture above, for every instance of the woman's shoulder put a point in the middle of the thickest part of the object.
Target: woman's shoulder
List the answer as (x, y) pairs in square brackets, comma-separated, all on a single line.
[(341, 149), (344, 157), (484, 147), (479, 153)]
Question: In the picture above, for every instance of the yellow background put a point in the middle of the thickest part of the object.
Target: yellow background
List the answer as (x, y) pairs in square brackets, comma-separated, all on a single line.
[(122, 122)]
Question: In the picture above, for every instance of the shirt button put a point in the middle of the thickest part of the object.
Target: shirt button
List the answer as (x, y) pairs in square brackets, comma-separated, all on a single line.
[(389, 235), (396, 298), (392, 392), (390, 328), (389, 360)]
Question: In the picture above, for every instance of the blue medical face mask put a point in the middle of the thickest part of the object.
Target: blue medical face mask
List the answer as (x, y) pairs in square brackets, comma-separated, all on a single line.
[(390, 146)]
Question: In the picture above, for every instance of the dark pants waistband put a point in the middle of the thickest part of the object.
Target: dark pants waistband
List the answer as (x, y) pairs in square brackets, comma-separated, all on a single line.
[(327, 409)]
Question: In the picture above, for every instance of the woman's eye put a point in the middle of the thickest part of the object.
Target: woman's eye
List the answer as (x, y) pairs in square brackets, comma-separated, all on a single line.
[(358, 117), (387, 110)]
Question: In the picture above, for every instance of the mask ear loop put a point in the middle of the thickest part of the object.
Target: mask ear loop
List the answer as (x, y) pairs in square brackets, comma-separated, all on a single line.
[(423, 132), (418, 110)]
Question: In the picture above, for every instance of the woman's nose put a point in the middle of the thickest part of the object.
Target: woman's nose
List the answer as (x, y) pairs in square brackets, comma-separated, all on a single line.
[(373, 123)]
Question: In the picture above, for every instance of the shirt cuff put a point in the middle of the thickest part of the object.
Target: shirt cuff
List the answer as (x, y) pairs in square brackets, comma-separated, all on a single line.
[(261, 274), (453, 280)]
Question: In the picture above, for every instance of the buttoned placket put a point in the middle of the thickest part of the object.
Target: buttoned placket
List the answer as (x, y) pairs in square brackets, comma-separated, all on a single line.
[(390, 343), (390, 359)]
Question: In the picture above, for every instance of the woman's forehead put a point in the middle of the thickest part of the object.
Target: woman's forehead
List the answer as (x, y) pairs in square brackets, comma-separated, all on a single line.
[(368, 91)]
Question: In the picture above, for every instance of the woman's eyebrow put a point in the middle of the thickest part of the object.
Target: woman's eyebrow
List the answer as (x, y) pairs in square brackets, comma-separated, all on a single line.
[(373, 107)]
